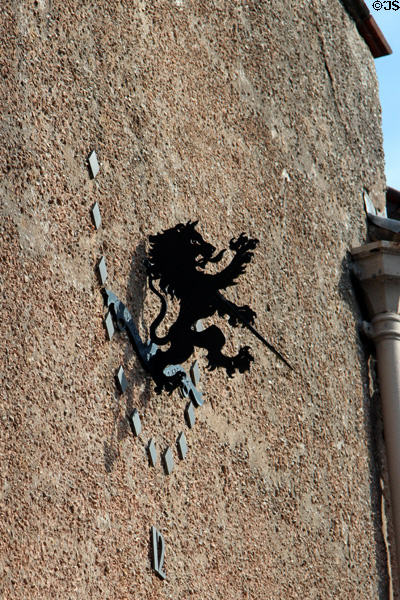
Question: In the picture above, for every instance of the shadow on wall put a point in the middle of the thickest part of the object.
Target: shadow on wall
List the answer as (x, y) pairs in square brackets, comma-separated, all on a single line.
[(350, 291), (135, 294)]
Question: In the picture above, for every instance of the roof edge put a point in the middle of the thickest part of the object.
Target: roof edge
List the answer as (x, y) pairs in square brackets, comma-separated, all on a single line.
[(368, 28)]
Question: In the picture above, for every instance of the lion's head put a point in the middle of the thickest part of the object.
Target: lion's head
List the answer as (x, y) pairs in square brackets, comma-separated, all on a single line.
[(176, 254)]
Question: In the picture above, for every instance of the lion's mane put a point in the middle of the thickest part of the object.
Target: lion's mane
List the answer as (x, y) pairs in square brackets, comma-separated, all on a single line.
[(172, 257)]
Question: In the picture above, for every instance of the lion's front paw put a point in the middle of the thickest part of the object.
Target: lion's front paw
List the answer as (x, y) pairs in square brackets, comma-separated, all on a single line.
[(243, 244)]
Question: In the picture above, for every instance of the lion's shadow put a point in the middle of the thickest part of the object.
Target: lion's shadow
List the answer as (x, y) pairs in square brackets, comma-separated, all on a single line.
[(139, 383), (135, 295)]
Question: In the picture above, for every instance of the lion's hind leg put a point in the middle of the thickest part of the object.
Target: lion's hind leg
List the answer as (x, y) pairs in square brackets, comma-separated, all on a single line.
[(175, 355), (213, 340)]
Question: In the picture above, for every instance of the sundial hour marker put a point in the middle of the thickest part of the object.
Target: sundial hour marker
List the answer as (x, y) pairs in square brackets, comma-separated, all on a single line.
[(182, 445), (158, 551), (196, 397), (93, 164), (121, 380), (109, 325), (195, 372), (168, 461), (96, 215), (152, 451), (190, 415), (136, 423), (102, 270)]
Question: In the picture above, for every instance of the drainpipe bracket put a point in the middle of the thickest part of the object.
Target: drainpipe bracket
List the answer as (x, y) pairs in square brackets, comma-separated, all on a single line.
[(385, 325), (377, 268)]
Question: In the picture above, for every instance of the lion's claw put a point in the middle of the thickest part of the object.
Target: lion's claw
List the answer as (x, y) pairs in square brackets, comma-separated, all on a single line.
[(243, 244)]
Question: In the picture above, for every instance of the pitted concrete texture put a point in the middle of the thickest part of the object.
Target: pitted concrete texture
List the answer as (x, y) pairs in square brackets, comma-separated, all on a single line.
[(260, 117)]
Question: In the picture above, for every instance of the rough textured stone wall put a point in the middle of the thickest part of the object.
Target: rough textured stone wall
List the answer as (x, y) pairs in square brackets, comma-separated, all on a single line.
[(255, 116)]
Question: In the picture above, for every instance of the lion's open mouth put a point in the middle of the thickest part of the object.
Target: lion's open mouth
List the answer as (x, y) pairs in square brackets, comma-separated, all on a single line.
[(201, 263), (213, 259), (217, 258)]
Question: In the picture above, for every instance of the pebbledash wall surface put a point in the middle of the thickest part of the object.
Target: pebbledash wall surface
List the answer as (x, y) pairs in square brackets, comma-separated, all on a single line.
[(255, 117)]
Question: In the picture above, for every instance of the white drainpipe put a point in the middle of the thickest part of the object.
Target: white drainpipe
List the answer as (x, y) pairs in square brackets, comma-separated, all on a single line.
[(377, 266)]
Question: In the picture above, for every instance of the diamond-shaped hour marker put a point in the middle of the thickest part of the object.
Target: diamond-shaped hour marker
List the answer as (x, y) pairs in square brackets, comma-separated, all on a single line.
[(195, 372), (190, 415), (121, 379), (136, 423), (109, 325), (96, 215), (102, 270), (152, 450), (196, 397), (93, 164), (168, 461), (182, 445)]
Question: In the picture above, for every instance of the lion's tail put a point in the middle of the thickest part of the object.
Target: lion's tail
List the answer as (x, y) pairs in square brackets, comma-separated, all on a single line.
[(153, 336)]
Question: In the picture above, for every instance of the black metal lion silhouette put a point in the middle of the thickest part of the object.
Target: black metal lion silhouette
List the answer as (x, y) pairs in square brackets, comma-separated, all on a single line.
[(176, 261)]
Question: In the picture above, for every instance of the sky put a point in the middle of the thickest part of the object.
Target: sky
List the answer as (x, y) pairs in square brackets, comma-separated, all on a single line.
[(388, 71)]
